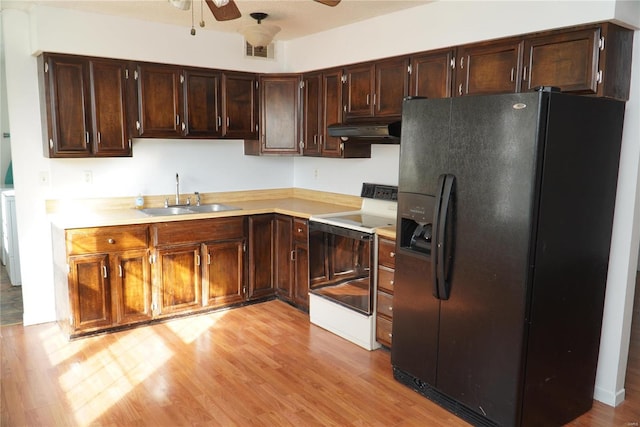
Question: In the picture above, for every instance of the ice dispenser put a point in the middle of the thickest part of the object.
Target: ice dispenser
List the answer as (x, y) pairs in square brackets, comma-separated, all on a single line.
[(415, 212)]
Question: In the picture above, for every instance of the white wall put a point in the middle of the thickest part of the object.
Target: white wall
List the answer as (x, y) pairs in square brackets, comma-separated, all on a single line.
[(152, 168)]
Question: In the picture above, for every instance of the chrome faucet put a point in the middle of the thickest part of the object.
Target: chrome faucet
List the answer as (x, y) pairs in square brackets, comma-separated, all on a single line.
[(177, 189), (166, 201)]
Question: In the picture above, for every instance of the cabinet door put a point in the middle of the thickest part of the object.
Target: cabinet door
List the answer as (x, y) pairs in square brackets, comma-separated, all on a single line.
[(131, 286), (489, 68), (331, 112), (66, 92), (223, 278), (240, 105), (392, 86), (108, 105), (301, 275), (567, 60), (159, 101), (283, 266), (301, 263), (178, 278), (260, 256), (358, 91), (202, 115), (311, 114), (280, 114), (432, 74), (89, 291)]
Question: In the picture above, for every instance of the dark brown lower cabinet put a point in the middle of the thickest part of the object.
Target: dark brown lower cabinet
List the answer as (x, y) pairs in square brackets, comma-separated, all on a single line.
[(131, 287), (113, 277), (260, 256), (177, 278), (283, 265), (300, 252), (223, 273), (90, 292)]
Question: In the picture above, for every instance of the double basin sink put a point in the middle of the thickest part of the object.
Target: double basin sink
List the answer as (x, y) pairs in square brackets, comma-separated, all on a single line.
[(183, 210)]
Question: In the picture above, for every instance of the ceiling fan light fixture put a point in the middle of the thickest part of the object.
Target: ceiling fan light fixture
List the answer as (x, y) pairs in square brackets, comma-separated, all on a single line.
[(181, 4), (259, 35)]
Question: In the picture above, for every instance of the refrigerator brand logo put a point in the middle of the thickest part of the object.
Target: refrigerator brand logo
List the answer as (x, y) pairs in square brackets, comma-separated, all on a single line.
[(519, 106)]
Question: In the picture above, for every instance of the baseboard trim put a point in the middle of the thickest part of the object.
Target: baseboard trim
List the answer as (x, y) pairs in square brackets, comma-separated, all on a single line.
[(608, 397)]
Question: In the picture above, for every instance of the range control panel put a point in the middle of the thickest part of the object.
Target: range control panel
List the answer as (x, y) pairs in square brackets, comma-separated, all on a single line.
[(379, 191)]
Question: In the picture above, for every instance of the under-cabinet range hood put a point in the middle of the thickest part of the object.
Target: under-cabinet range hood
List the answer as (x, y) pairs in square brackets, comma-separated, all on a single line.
[(376, 132)]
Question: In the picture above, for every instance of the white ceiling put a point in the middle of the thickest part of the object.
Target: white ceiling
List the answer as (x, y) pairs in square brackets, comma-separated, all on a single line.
[(296, 18)]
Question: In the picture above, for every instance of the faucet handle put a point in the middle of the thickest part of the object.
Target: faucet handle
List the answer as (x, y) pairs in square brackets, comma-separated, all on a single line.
[(197, 194), (166, 202)]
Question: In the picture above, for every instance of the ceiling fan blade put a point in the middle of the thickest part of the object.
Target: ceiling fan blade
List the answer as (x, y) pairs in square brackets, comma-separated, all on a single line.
[(329, 2), (224, 13)]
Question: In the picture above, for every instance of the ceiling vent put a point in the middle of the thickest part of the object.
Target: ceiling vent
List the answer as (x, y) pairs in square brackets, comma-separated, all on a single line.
[(267, 52)]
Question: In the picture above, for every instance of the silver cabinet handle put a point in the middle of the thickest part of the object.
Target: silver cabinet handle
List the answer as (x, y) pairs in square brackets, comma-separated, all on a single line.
[(208, 259), (392, 254), (513, 73), (104, 271), (228, 122), (374, 99), (367, 99), (120, 270), (183, 126), (460, 89), (219, 121), (177, 120), (99, 138), (86, 138)]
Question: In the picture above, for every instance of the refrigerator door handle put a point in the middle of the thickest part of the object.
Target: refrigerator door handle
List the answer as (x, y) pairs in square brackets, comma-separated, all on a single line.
[(444, 237), (435, 234)]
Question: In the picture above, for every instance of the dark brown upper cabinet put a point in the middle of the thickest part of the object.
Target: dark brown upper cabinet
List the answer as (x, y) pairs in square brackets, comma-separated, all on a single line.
[(240, 105), (487, 68), (575, 61), (202, 103), (431, 74), (280, 114), (391, 86), (311, 128), (159, 101), (375, 89), (85, 106), (331, 113)]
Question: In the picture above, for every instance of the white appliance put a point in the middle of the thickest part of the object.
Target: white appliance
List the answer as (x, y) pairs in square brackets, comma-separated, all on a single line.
[(10, 252), (343, 255)]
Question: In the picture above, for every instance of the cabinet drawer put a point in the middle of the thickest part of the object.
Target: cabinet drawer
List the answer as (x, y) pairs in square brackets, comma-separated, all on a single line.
[(385, 304), (387, 253), (300, 230), (182, 232), (385, 278), (106, 239), (383, 330)]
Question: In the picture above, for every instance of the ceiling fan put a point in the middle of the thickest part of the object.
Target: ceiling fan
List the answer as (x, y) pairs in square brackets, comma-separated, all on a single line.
[(226, 10)]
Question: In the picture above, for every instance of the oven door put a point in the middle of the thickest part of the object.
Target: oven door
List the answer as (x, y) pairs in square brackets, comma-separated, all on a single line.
[(340, 261)]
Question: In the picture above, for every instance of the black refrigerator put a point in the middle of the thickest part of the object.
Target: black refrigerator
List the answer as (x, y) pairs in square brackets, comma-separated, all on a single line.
[(505, 211)]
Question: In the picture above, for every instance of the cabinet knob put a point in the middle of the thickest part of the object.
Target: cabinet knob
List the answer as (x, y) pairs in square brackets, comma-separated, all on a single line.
[(111, 241), (390, 308), (392, 254), (391, 282), (299, 230)]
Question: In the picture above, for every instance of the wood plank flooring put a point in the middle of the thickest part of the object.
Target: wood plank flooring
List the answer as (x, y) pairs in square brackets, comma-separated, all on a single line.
[(261, 365)]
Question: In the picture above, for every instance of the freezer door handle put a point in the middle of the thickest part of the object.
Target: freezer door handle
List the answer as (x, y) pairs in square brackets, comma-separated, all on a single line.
[(443, 233)]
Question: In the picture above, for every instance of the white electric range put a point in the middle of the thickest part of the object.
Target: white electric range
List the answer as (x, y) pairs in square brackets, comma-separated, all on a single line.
[(343, 255)]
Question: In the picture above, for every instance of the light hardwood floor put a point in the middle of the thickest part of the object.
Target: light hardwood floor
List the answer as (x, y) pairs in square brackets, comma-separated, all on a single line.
[(261, 365)]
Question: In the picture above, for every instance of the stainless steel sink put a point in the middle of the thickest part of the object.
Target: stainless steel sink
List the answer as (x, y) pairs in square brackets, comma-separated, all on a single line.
[(184, 210), (213, 207), (166, 211)]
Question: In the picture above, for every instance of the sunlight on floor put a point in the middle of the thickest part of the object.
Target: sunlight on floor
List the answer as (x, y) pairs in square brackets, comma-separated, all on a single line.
[(95, 378), (190, 328), (95, 382)]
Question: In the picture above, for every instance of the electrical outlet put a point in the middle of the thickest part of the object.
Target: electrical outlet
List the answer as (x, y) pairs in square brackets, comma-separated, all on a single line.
[(88, 177), (316, 173), (43, 178)]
